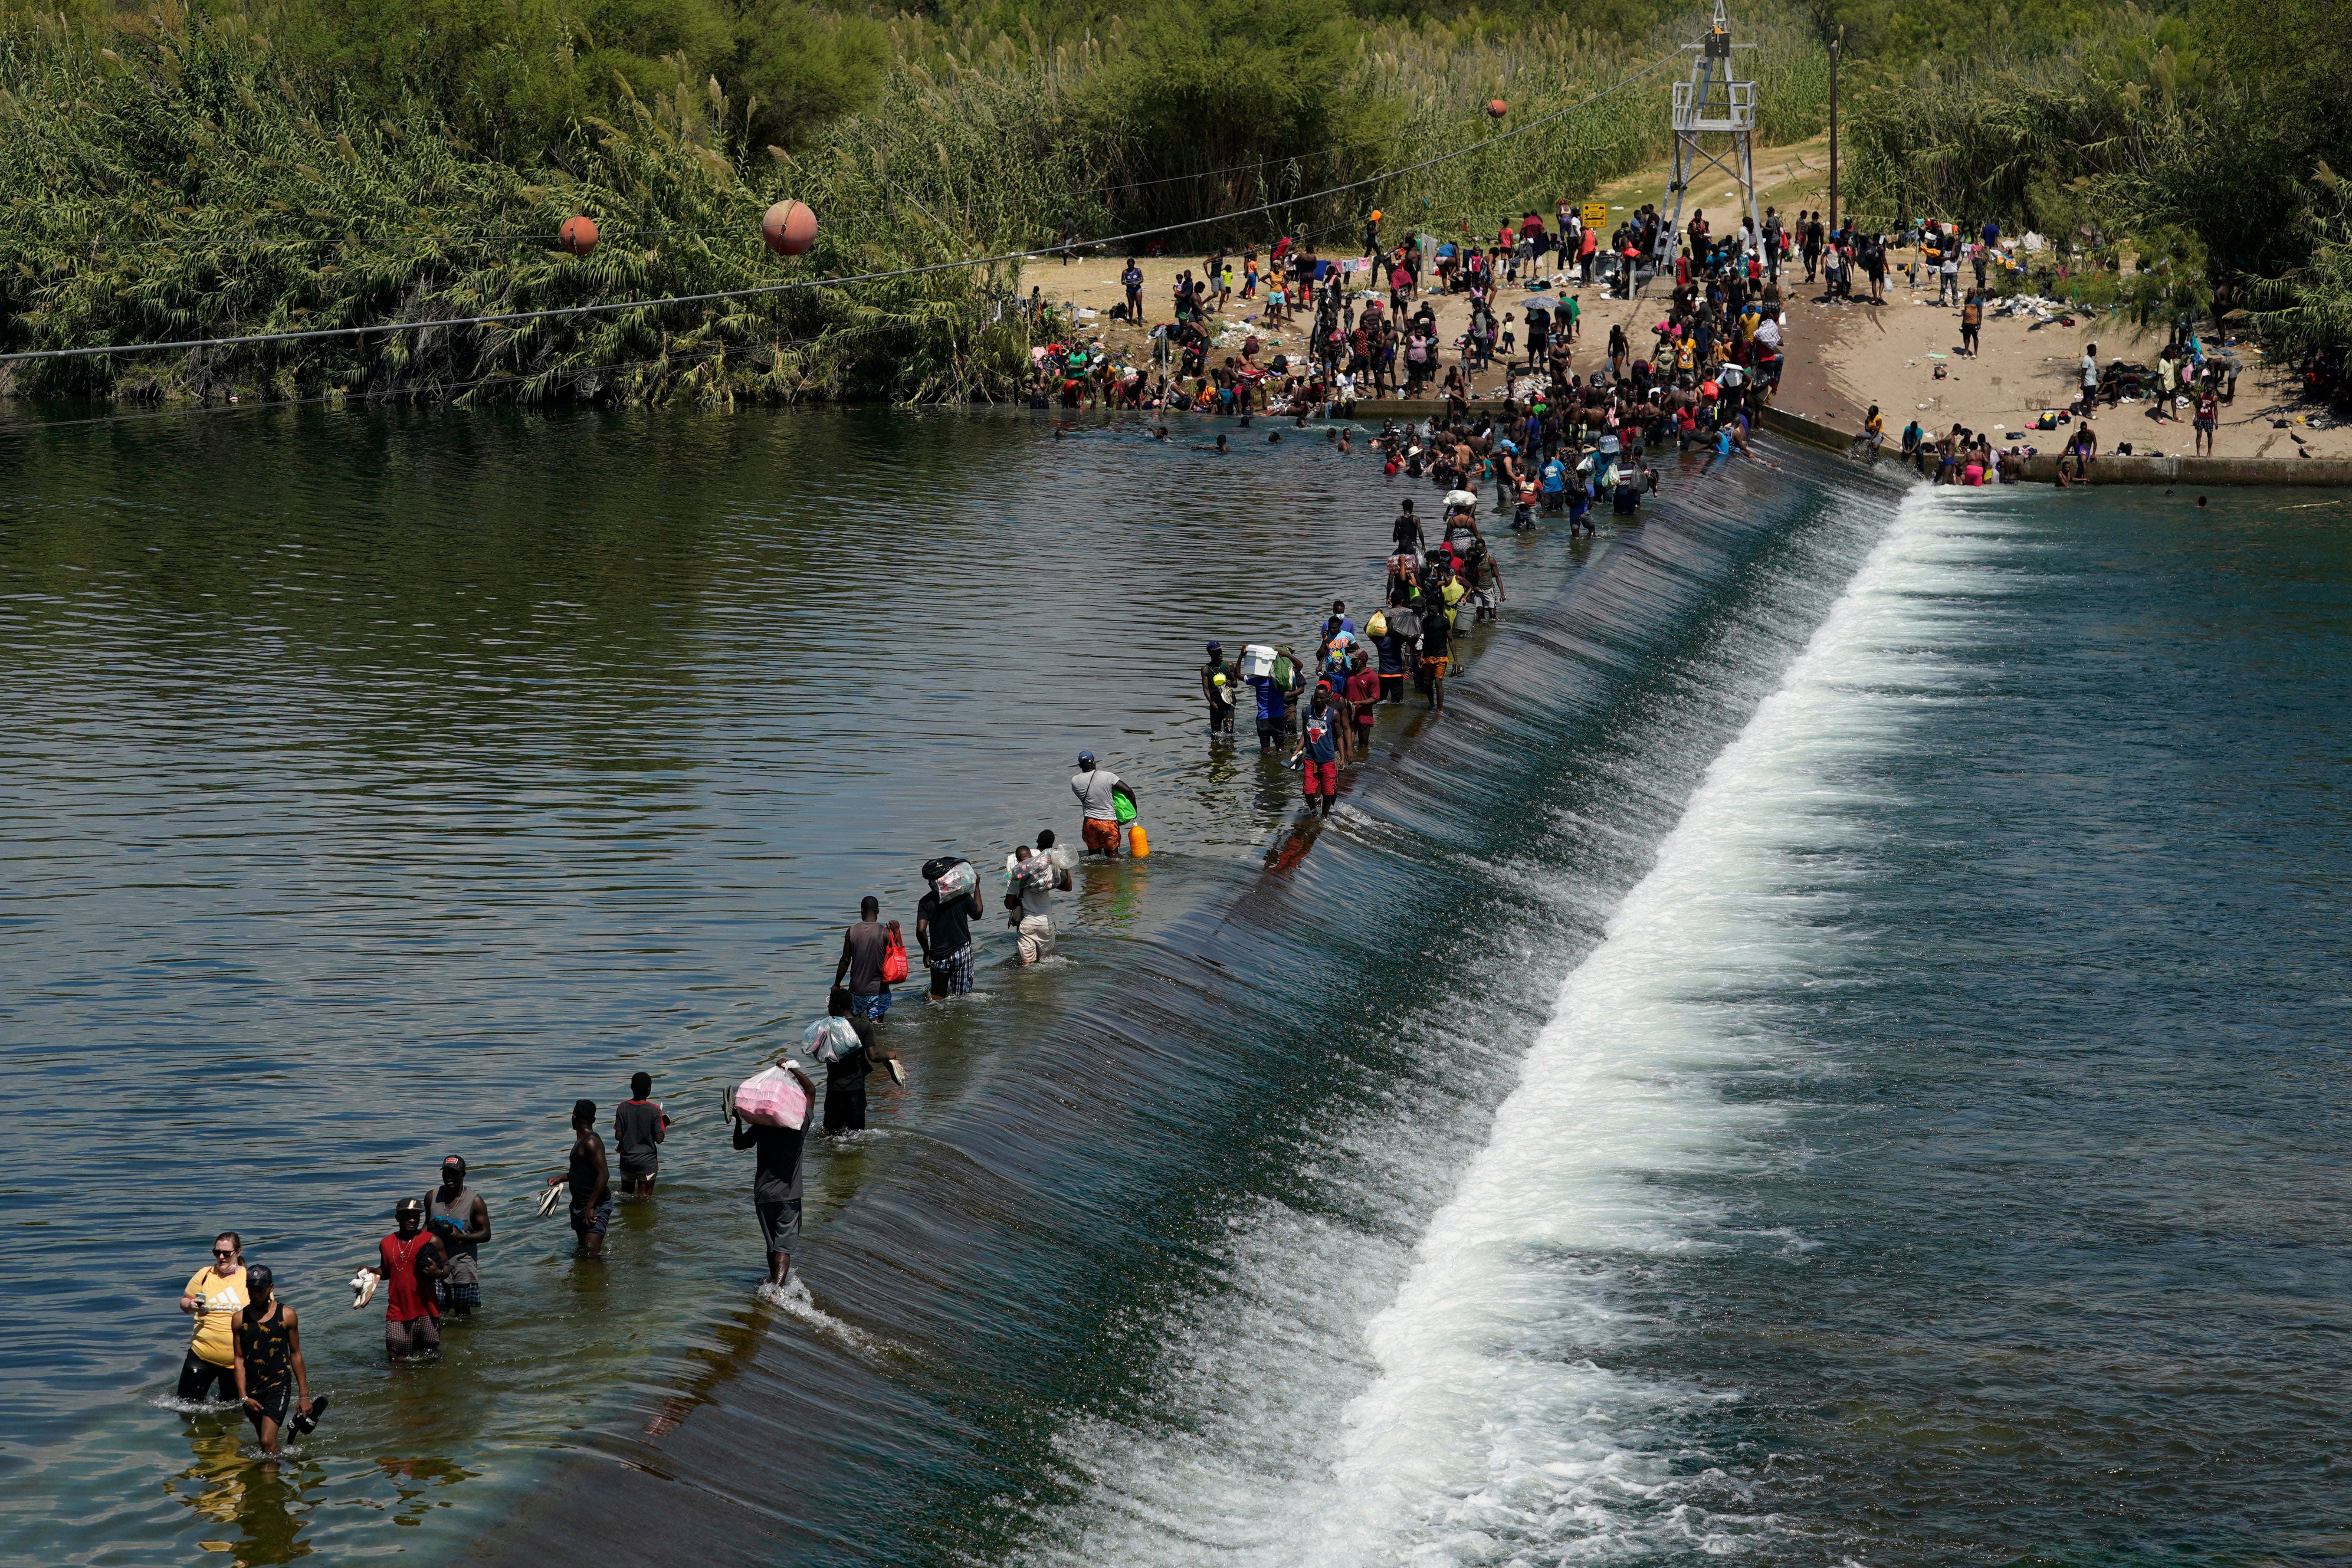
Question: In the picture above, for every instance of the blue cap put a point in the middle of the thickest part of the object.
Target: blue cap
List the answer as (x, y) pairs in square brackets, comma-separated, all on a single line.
[(1085, 758)]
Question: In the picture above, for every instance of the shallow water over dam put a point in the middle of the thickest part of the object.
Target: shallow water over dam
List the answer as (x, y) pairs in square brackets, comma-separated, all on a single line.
[(1830, 1047)]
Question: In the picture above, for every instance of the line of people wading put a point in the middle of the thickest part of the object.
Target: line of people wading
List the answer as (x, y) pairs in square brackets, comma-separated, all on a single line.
[(1318, 711)]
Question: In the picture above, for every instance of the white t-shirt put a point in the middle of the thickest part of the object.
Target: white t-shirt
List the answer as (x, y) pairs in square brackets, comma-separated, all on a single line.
[(2090, 370), (1093, 790)]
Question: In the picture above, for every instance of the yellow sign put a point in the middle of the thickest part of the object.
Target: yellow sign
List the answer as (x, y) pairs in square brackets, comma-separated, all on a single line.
[(1595, 213)]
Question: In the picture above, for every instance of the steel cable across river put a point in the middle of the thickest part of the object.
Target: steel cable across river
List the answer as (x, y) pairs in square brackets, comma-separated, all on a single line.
[(1824, 1047)]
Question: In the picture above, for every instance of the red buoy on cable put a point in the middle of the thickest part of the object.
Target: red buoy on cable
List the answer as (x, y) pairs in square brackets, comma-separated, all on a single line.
[(1498, 108), (577, 235), (788, 228)]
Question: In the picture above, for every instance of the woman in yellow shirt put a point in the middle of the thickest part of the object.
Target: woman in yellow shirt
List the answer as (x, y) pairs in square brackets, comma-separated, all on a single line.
[(214, 1295)]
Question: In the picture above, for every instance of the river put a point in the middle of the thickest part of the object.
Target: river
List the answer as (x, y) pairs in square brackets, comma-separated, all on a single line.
[(1829, 1049)]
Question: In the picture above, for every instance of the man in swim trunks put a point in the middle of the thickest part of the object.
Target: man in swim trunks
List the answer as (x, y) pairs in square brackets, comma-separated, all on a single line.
[(776, 1180), (1093, 787), (591, 1180), (409, 1261), (269, 1369), (456, 1213), (214, 1295), (639, 1126)]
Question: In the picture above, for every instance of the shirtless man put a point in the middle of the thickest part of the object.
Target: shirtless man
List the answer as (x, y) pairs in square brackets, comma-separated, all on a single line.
[(591, 1179)]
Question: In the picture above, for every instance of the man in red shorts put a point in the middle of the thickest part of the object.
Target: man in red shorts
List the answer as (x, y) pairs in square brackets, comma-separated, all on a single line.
[(1320, 745)]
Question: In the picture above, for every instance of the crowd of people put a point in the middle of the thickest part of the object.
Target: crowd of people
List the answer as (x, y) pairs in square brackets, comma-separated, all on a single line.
[(1560, 442)]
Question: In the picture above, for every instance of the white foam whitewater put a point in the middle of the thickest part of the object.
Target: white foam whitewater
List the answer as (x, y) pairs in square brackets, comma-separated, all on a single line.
[(1361, 1399)]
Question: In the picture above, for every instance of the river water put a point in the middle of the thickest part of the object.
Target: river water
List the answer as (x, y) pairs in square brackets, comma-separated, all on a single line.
[(1831, 1047)]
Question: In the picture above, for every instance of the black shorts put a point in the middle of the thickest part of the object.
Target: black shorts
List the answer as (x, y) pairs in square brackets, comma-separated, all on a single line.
[(200, 1379), (274, 1401), (1393, 688), (780, 1223)]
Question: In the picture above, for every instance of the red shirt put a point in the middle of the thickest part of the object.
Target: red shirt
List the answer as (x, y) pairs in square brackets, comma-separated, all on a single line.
[(410, 1298), (1364, 689)]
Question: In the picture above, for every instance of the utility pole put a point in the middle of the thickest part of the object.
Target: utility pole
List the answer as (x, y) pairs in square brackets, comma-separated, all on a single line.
[(1833, 183)]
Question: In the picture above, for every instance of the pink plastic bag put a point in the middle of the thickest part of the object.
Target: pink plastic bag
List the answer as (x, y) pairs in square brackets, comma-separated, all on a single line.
[(772, 1098)]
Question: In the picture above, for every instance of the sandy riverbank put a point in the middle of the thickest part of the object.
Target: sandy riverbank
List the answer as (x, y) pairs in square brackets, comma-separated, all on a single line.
[(1790, 177), (1889, 353)]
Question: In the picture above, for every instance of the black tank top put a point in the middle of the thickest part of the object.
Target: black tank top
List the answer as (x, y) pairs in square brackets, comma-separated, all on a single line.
[(269, 1358)]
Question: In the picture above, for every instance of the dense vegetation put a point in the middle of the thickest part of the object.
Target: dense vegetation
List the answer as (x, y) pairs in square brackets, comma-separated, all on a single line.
[(224, 167), (212, 168), (2187, 148)]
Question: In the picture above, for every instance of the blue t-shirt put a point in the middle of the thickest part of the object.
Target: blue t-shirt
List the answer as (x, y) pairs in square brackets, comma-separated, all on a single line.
[(1579, 498), (1555, 476), (1270, 702), (1321, 734)]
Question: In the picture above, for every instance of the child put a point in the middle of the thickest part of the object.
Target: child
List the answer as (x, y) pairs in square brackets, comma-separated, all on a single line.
[(1510, 339)]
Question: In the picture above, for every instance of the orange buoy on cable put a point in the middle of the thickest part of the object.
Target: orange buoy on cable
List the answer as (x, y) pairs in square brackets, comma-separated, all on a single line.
[(788, 228), (577, 235), (1498, 108)]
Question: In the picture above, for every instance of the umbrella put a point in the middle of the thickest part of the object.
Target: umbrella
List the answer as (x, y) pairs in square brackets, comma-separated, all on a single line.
[(1461, 498), (1539, 302)]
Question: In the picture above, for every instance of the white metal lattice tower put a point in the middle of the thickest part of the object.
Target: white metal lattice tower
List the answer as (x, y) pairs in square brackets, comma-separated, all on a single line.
[(1710, 104)]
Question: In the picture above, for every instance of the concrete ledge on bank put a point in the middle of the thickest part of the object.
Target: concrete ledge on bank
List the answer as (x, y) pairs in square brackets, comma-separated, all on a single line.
[(2043, 469), (1813, 433)]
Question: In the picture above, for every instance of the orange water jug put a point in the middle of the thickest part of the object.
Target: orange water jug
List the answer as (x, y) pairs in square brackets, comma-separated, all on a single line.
[(1136, 844)]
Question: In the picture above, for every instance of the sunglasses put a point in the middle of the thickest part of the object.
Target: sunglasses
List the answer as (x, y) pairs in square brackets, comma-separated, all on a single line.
[(223, 1252)]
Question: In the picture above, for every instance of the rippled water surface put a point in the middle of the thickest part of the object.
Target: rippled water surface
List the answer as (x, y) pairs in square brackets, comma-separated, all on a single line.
[(1831, 1049)]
